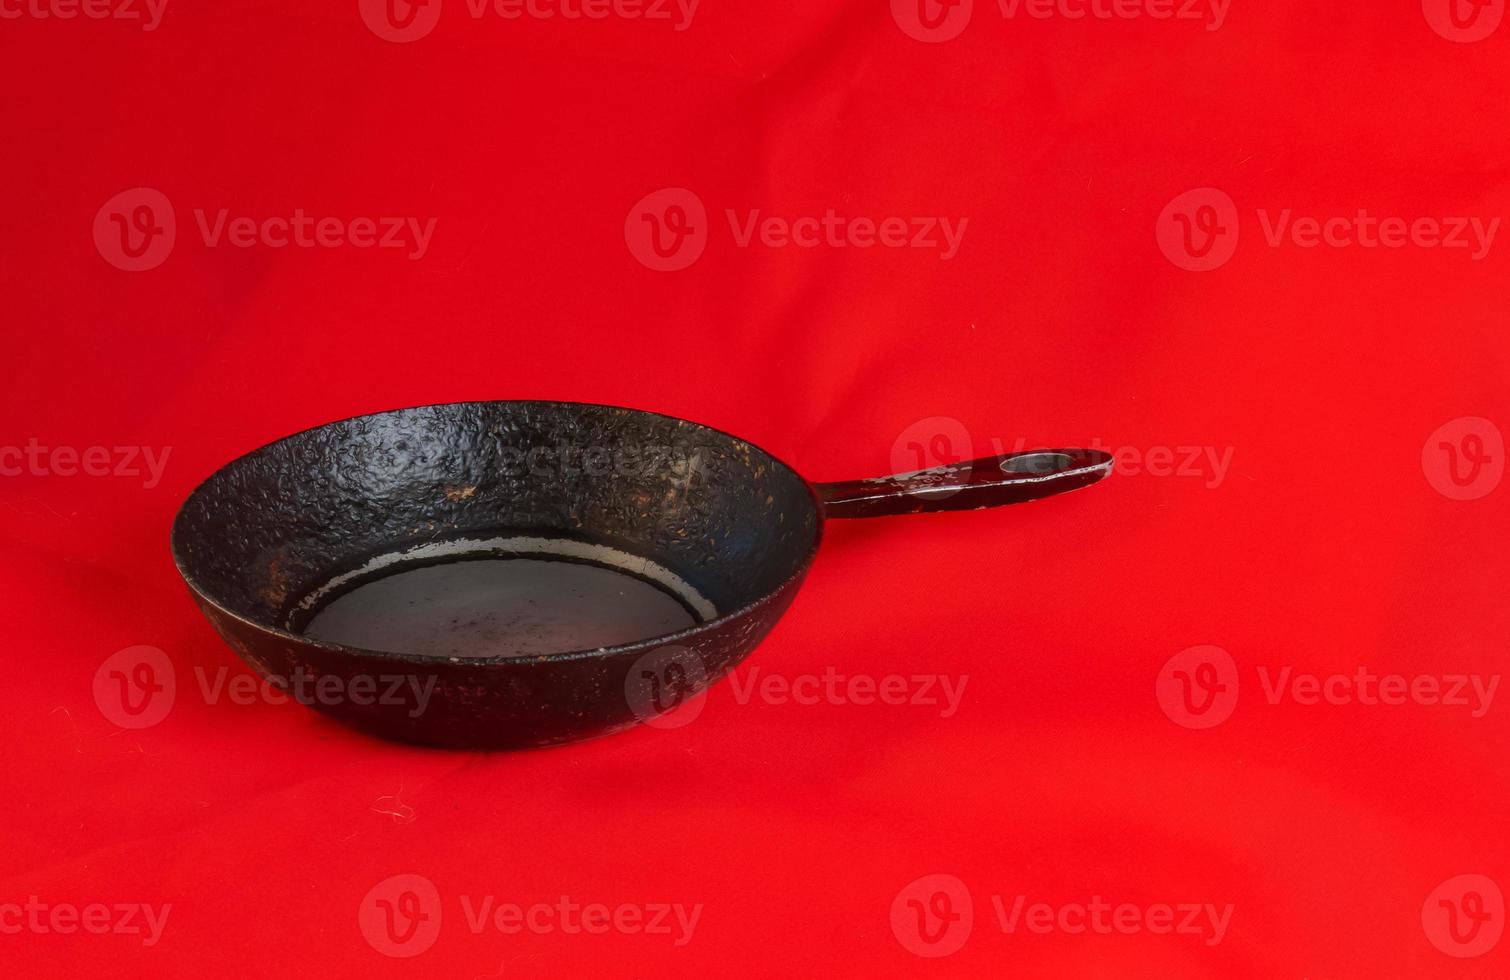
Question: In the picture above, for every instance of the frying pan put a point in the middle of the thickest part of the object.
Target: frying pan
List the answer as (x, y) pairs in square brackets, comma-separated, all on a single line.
[(508, 574)]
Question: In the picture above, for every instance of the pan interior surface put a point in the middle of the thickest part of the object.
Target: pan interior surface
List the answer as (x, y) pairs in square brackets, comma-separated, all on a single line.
[(495, 529), (509, 597)]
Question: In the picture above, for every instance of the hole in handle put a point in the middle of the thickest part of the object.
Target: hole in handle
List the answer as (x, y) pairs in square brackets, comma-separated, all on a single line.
[(1037, 464)]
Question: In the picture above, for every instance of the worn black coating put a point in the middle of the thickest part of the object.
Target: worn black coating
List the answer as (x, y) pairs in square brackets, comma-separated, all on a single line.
[(273, 526), (263, 542)]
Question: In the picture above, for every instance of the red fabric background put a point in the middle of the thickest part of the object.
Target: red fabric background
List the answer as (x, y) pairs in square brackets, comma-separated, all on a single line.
[(1324, 546)]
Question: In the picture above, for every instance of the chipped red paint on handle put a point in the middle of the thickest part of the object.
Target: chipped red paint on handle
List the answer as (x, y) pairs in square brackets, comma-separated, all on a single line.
[(990, 482)]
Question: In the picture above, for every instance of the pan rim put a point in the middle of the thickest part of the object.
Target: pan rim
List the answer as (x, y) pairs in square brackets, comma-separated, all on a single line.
[(566, 656)]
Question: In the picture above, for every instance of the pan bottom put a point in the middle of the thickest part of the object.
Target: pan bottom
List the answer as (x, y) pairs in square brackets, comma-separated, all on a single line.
[(502, 597)]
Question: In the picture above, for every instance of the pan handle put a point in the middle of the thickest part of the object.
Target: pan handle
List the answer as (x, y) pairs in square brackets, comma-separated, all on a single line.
[(990, 482)]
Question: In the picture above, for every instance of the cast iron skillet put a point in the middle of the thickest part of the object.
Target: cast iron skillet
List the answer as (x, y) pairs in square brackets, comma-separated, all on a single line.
[(709, 524)]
